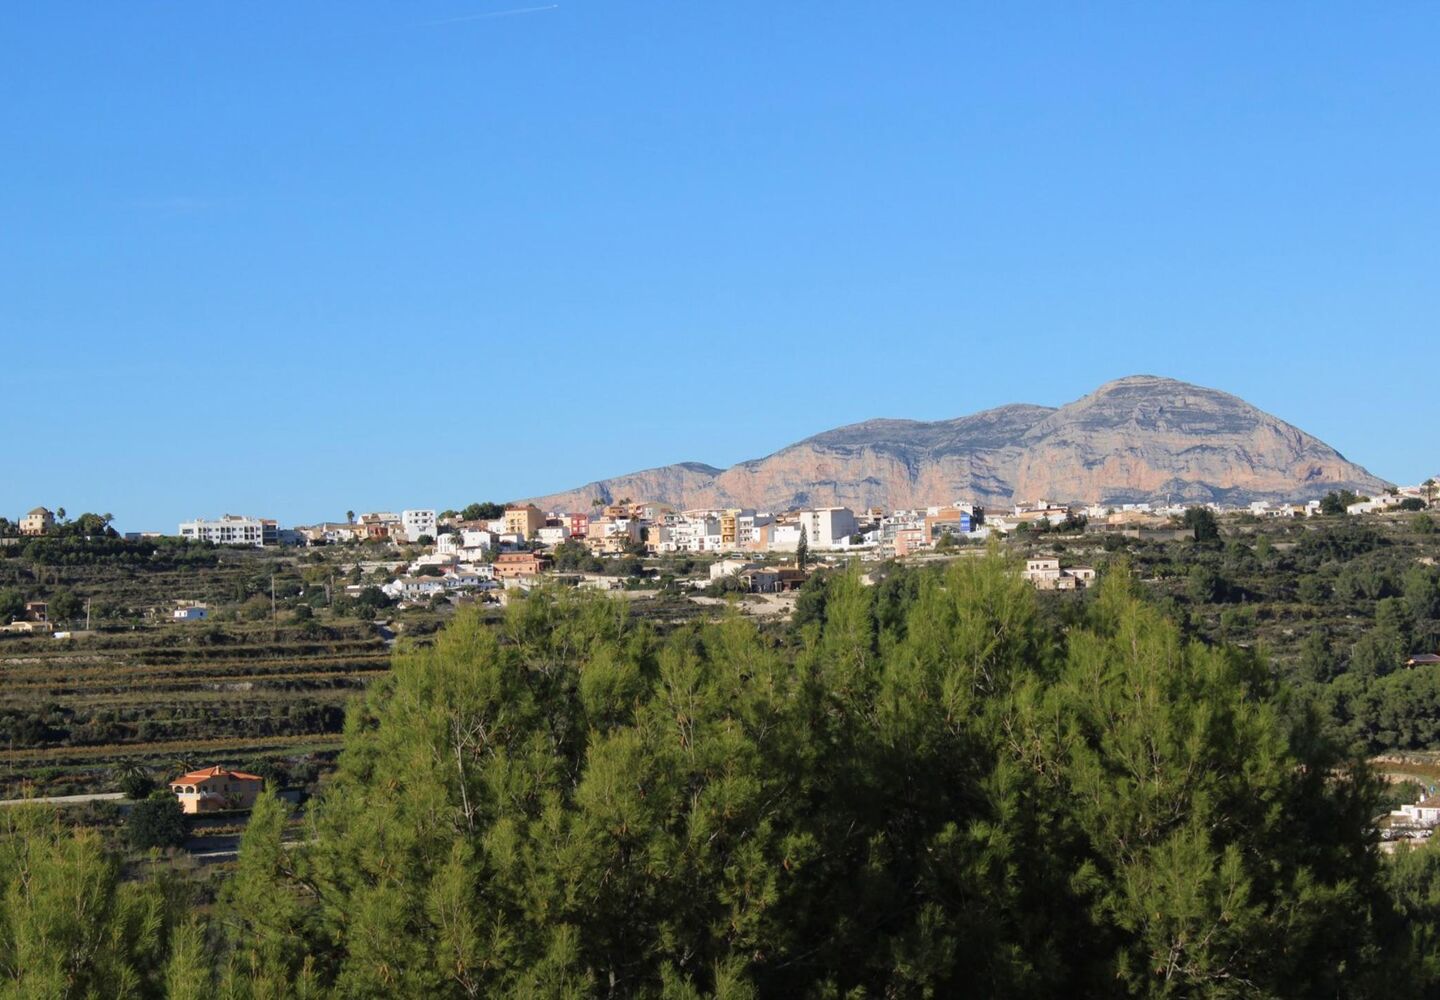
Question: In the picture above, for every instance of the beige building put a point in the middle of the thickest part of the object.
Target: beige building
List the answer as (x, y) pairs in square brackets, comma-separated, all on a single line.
[(1046, 574), (214, 789), (524, 521), (27, 628), (38, 522)]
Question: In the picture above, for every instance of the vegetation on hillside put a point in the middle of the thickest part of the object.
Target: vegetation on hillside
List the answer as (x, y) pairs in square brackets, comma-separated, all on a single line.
[(934, 786)]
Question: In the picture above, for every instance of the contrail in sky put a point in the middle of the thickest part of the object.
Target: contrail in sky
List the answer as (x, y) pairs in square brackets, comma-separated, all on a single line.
[(493, 13)]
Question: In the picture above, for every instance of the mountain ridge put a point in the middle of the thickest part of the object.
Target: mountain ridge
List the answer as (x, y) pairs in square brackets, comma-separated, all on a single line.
[(1133, 439)]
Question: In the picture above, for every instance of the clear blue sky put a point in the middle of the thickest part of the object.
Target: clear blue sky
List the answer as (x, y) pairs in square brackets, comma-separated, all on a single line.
[(289, 259)]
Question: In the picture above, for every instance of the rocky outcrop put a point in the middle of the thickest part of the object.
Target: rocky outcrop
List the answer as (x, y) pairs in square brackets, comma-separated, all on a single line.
[(1141, 438)]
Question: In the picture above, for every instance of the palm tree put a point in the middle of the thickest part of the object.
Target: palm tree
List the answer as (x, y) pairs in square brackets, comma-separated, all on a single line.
[(350, 517)]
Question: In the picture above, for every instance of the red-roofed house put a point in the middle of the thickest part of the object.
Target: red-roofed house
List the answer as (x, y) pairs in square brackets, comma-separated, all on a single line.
[(214, 789)]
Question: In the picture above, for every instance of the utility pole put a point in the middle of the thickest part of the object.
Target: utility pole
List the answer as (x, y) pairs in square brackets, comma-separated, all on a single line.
[(274, 623), (87, 614)]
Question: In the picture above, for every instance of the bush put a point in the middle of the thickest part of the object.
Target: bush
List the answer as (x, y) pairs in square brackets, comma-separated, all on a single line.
[(137, 785), (157, 822)]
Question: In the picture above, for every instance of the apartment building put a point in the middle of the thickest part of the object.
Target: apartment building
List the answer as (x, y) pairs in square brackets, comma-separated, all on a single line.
[(230, 529), (826, 527), (416, 523), (524, 520)]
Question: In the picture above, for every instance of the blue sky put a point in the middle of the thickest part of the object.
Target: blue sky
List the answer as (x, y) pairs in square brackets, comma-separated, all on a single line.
[(294, 259)]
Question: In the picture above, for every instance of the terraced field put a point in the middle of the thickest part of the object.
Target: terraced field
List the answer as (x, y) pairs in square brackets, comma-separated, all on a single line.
[(168, 697)]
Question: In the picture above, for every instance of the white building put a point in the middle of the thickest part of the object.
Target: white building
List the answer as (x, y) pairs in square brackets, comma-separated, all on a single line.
[(475, 538), (1384, 502), (414, 588), (416, 523), (232, 529), (552, 535), (722, 568), (1425, 813), (825, 527), (785, 537), (687, 533), (750, 528)]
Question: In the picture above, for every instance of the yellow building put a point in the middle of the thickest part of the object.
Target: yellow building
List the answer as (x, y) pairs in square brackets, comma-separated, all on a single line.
[(727, 530), (524, 521), (38, 522)]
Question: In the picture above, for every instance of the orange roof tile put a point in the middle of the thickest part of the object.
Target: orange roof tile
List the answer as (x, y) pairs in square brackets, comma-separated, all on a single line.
[(214, 772)]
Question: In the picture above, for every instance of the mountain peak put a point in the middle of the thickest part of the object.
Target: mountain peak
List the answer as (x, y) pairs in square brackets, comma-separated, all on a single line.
[(1137, 438)]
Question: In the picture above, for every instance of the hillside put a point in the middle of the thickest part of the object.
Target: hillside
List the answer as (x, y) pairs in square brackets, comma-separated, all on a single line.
[(1140, 438)]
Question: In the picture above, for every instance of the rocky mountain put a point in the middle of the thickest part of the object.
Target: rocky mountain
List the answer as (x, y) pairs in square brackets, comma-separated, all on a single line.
[(1142, 438)]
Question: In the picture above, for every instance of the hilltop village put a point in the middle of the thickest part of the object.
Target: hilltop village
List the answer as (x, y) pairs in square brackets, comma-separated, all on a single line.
[(487, 549)]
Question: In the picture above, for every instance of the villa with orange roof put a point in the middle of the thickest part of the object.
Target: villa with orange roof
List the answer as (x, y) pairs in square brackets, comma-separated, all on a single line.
[(214, 789)]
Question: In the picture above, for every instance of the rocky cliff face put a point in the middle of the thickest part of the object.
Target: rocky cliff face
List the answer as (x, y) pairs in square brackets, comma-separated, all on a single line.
[(1141, 438)]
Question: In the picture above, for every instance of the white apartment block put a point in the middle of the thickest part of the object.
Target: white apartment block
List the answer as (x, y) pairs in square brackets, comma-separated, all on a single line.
[(688, 533), (749, 528), (827, 527), (416, 523), (231, 529)]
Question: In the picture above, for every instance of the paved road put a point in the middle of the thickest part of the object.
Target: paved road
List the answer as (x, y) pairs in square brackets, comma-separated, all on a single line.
[(66, 800)]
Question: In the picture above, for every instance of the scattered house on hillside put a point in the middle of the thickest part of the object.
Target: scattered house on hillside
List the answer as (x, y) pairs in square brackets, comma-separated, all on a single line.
[(27, 628), (1376, 505), (414, 588), (190, 611), (1046, 574), (773, 579), (214, 789), (37, 611), (38, 522), (728, 567), (1424, 813), (1423, 660)]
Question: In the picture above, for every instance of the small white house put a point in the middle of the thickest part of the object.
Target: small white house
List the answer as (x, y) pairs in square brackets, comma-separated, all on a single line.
[(552, 535), (1424, 813), (190, 611), (414, 588), (728, 567)]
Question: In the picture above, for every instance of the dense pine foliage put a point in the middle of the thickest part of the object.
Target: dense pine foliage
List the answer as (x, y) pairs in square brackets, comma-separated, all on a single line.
[(930, 790)]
